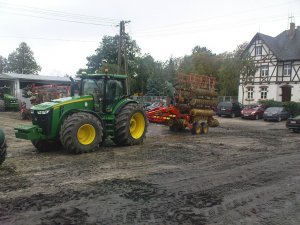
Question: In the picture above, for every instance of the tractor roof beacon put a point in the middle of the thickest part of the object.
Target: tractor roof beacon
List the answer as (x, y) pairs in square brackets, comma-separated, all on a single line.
[(81, 123)]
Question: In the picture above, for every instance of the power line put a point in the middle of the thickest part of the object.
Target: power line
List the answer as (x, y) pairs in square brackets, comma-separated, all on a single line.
[(217, 26), (55, 15), (216, 18), (50, 39)]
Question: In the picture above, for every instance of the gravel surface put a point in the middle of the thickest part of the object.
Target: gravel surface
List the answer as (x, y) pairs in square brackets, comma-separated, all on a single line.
[(243, 172)]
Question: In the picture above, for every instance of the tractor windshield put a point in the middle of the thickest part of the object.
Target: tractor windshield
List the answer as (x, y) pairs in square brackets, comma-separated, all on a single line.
[(93, 87)]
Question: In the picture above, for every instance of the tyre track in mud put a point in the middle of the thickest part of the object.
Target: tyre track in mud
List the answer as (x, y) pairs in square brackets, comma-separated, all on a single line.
[(233, 175)]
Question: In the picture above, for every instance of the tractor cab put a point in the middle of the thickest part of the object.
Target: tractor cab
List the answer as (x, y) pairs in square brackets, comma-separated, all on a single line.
[(106, 90)]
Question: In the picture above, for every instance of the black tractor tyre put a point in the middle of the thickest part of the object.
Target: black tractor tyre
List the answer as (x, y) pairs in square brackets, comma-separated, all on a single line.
[(2, 153), (130, 125), (46, 145), (81, 133)]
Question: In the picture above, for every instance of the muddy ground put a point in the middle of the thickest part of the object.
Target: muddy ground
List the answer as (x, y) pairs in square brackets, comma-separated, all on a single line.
[(243, 172)]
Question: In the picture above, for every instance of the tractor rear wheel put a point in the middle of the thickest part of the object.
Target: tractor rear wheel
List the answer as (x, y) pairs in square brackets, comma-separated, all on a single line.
[(197, 128), (130, 125), (45, 145), (81, 132)]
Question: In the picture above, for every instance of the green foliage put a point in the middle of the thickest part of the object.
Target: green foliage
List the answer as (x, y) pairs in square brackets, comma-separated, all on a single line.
[(22, 61), (270, 103), (201, 61), (3, 64), (236, 68), (292, 107), (108, 50), (228, 76)]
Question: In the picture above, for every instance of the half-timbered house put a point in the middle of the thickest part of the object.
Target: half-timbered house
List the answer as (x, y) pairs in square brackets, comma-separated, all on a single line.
[(278, 68)]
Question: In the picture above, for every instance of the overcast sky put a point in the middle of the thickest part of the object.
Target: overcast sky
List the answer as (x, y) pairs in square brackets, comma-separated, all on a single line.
[(162, 28)]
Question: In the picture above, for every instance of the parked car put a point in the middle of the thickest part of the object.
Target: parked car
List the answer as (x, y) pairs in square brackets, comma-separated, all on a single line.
[(254, 111), (293, 124), (276, 113), (231, 109)]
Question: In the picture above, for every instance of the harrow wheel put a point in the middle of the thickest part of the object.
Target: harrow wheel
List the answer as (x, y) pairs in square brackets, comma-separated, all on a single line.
[(205, 128), (196, 129)]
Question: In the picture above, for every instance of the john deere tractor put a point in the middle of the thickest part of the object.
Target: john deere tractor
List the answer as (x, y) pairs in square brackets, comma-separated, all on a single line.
[(81, 123), (7, 101)]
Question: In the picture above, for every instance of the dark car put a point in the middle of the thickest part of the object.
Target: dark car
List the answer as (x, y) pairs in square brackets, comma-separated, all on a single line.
[(231, 109), (293, 124), (254, 111), (276, 113)]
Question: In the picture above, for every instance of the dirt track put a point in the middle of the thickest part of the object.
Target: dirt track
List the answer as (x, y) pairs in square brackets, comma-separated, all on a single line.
[(243, 172)]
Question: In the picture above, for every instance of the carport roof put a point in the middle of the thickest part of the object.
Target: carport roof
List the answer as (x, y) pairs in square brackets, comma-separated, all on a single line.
[(31, 77)]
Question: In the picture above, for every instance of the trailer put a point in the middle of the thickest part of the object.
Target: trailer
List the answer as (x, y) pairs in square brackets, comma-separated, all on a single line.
[(191, 106), (41, 93)]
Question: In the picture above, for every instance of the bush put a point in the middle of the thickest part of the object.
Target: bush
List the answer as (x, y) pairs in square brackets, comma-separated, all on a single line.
[(292, 107), (270, 103)]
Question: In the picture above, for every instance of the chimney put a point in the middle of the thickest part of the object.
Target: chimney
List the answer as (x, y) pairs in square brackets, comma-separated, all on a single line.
[(292, 32)]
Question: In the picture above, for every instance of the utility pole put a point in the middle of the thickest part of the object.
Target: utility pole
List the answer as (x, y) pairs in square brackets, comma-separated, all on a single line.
[(122, 30), (122, 48)]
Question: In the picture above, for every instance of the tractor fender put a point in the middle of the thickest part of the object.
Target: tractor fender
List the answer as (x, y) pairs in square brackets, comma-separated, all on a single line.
[(121, 104)]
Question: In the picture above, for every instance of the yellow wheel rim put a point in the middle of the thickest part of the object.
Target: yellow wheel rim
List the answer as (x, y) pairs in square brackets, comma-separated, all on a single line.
[(86, 134), (137, 125)]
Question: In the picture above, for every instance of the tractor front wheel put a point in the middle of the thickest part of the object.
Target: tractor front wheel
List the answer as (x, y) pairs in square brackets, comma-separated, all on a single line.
[(81, 132), (130, 125), (45, 145)]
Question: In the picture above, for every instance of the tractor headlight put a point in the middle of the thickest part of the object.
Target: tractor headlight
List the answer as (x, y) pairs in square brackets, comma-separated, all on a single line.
[(43, 112)]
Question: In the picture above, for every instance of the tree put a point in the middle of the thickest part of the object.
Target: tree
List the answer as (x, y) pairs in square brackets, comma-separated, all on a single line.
[(3, 64), (22, 61), (201, 61), (108, 51), (236, 68)]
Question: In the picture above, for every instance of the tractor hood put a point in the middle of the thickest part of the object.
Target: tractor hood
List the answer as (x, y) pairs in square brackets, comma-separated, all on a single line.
[(9, 97), (56, 103)]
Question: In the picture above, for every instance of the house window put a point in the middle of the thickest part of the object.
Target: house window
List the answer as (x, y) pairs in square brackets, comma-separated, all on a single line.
[(287, 70), (264, 71), (258, 50), (263, 92), (250, 93)]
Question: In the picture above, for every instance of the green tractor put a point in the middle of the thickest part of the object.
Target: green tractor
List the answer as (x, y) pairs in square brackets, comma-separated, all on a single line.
[(2, 147), (7, 101), (82, 122)]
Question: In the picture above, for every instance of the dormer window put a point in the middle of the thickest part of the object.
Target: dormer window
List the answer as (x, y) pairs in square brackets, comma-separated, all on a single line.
[(287, 70), (258, 50)]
